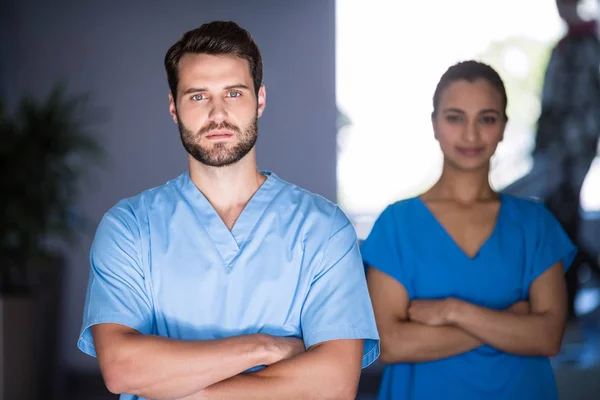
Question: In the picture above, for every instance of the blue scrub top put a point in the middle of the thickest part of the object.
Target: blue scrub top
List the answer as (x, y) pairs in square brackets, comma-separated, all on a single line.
[(409, 244), (164, 263)]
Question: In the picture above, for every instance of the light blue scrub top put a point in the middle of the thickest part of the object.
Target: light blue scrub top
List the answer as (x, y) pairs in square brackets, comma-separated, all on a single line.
[(164, 263), (409, 244)]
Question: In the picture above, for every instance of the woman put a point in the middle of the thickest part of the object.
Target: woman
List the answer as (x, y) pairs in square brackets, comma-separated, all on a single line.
[(467, 284)]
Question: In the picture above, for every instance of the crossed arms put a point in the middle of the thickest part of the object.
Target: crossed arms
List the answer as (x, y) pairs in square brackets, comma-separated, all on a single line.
[(426, 330), (160, 368)]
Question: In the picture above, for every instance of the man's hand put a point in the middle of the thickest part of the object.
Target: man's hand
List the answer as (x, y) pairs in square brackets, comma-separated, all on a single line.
[(328, 370), (283, 348), (432, 312), (277, 348)]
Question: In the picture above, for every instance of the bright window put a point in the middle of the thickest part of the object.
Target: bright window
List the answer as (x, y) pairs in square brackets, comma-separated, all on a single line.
[(389, 57)]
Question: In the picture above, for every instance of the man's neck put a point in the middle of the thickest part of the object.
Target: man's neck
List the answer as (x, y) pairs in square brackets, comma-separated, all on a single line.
[(229, 188)]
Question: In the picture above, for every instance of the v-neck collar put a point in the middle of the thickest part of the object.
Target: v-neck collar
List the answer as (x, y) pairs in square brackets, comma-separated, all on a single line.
[(230, 243), (449, 237)]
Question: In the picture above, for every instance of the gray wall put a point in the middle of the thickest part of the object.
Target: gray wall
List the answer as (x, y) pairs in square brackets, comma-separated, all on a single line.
[(115, 49)]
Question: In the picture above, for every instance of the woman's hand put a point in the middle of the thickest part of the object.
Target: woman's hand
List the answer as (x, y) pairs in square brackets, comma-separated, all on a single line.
[(433, 312)]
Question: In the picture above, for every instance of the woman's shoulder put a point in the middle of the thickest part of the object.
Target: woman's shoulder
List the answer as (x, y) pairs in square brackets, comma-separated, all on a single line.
[(401, 208), (524, 209)]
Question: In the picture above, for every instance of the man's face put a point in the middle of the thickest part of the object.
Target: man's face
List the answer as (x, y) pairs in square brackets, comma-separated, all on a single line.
[(216, 108)]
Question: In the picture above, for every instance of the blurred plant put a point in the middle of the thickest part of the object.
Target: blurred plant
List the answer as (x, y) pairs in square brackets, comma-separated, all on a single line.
[(45, 148)]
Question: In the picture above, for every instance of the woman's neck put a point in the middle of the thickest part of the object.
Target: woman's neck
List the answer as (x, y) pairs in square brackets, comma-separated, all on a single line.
[(462, 186)]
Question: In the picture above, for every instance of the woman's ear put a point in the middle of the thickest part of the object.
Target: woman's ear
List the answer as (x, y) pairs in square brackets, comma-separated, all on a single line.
[(434, 125), (504, 130)]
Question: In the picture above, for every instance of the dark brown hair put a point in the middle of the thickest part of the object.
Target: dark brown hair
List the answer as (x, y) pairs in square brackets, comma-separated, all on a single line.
[(217, 37)]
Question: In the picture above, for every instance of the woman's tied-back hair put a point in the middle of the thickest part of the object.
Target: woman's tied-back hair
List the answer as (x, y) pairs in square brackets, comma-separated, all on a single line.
[(469, 71)]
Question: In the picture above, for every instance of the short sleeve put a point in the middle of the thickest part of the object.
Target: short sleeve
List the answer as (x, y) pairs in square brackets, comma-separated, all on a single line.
[(338, 305), (116, 290), (551, 244), (381, 249)]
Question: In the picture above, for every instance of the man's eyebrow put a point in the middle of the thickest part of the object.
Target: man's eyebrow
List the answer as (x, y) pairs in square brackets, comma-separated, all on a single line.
[(202, 89)]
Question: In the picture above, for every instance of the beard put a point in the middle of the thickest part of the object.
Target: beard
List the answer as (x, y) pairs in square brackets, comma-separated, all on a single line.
[(219, 154)]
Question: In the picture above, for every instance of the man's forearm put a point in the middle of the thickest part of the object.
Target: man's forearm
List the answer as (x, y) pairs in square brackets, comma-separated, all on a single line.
[(161, 368), (321, 373), (415, 342)]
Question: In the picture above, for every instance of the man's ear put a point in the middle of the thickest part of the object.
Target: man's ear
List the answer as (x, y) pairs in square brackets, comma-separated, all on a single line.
[(173, 108)]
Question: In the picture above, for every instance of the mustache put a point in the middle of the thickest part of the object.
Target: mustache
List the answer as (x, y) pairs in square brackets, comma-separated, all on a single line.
[(211, 126)]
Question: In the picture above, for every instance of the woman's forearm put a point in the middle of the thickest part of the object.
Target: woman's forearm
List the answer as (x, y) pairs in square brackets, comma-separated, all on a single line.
[(533, 334), (415, 342)]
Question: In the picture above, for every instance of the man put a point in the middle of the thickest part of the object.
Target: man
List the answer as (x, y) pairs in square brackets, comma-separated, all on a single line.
[(197, 285)]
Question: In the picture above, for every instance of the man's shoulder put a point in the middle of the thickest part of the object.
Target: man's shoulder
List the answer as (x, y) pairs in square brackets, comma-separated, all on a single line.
[(308, 202), (317, 212), (148, 199)]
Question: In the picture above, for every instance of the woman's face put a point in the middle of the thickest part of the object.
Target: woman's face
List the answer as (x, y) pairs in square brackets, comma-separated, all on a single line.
[(469, 123)]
